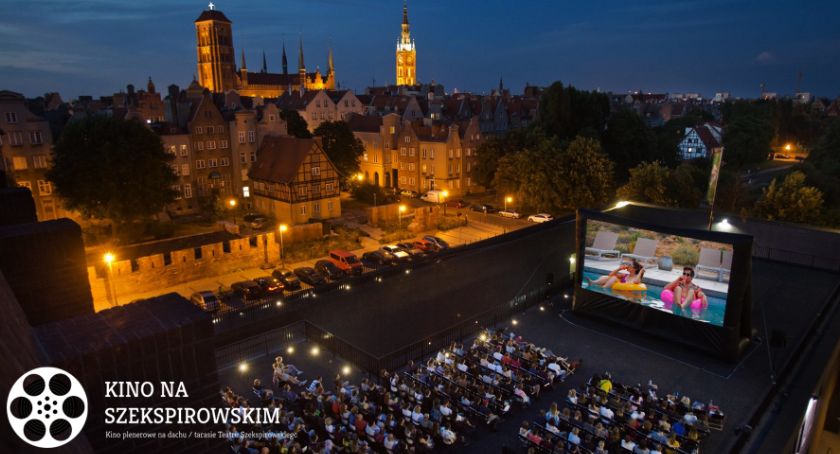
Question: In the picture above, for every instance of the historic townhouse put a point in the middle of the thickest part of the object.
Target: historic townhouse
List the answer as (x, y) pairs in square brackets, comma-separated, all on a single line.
[(248, 128), (378, 134), (294, 181), (211, 149)]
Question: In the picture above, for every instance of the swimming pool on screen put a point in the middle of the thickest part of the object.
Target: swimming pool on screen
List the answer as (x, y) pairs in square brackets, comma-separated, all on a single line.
[(713, 313)]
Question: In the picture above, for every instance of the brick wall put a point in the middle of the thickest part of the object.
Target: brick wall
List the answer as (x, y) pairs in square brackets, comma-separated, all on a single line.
[(159, 271)]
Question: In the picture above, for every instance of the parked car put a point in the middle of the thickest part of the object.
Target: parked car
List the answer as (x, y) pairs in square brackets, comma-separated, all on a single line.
[(437, 241), (433, 196), (399, 254), (247, 290), (461, 203), (540, 218), (206, 300), (425, 245), (270, 285), (376, 259), (411, 249), (407, 193), (346, 261), (510, 214), (330, 270), (259, 222), (287, 278), (310, 276), (484, 208)]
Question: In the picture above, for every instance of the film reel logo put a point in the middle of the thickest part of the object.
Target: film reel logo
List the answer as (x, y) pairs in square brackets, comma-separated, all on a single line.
[(47, 407)]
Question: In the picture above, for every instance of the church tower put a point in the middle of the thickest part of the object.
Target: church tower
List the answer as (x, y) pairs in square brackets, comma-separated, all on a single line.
[(406, 54), (214, 44)]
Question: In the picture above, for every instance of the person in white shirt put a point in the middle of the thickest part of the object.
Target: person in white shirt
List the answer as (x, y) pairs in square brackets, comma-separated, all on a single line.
[(607, 412), (462, 367), (447, 435), (390, 442), (574, 438), (417, 415), (445, 409), (628, 443)]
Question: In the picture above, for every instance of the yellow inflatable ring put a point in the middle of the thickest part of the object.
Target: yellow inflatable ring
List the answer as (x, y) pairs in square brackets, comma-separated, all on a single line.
[(628, 287)]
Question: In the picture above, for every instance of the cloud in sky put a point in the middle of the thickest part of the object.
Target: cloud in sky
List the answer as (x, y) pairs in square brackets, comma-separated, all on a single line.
[(765, 57)]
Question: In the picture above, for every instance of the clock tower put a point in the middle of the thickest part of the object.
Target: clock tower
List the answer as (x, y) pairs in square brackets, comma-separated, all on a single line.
[(406, 55)]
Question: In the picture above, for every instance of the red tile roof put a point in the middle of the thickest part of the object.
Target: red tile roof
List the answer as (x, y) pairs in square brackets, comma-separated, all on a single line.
[(279, 158)]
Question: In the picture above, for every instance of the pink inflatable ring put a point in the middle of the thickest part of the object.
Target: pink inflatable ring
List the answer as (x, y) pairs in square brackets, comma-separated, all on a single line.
[(667, 297)]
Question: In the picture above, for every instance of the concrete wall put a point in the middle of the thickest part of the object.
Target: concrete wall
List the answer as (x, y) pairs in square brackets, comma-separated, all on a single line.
[(417, 219), (148, 273)]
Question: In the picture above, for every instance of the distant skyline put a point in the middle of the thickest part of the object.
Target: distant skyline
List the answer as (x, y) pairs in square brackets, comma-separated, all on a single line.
[(97, 47)]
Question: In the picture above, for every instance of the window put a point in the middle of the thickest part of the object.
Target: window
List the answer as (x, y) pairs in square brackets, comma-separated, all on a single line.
[(223, 144), (365, 157), (303, 209), (424, 168), (211, 144), (241, 136), (25, 184), (253, 156), (226, 247), (252, 136), (224, 162), (328, 188), (411, 166), (316, 208), (411, 151), (172, 149), (187, 191), (39, 161), (329, 206), (184, 152), (44, 187), (451, 153), (457, 152), (271, 118), (17, 139), (302, 191), (423, 153), (411, 180), (199, 146), (210, 130), (246, 191), (185, 170), (407, 139), (199, 130), (402, 151), (212, 163), (199, 164), (19, 162), (316, 171), (220, 129), (242, 158), (167, 258), (35, 138), (392, 130), (177, 190), (197, 253), (176, 169), (376, 158), (11, 117), (135, 266), (432, 153)]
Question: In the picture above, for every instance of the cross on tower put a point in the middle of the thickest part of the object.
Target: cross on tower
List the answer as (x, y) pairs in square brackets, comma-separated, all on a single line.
[(212, 6)]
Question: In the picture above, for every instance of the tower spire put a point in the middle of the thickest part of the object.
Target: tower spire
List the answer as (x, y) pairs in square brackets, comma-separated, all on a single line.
[(405, 12), (330, 65), (244, 66), (265, 64), (285, 62), (301, 65)]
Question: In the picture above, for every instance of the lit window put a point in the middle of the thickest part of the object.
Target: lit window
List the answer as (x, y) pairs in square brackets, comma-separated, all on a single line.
[(184, 152), (19, 162), (44, 187), (223, 144), (316, 171), (252, 136), (187, 191), (211, 144), (241, 136), (246, 191)]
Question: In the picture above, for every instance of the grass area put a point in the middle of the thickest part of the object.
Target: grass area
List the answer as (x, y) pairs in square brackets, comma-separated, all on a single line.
[(343, 238), (392, 232)]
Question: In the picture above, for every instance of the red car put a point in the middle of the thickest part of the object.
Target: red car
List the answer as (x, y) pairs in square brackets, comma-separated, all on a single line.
[(456, 204), (424, 245)]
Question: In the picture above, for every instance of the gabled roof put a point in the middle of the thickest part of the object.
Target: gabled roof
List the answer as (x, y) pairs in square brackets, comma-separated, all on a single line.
[(706, 137), (364, 123), (212, 15), (280, 157)]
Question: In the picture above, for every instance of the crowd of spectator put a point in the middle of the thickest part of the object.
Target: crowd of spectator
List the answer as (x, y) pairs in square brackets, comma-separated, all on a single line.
[(604, 416), (427, 406)]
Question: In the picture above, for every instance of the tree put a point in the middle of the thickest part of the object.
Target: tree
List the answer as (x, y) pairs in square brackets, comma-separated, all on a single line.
[(370, 194), (687, 183), (628, 141), (295, 124), (342, 147), (566, 112), (790, 201), (586, 175), (649, 182), (110, 168), (490, 151), (747, 136)]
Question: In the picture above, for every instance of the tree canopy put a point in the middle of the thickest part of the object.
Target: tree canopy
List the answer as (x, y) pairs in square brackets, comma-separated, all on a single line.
[(747, 140), (110, 168), (566, 112), (342, 147), (790, 200), (628, 141), (295, 124), (649, 182)]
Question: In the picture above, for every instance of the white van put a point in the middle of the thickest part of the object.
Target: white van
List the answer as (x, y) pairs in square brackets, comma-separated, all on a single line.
[(433, 196)]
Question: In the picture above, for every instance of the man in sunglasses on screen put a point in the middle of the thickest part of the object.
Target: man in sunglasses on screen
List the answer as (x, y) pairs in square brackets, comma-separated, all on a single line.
[(685, 290)]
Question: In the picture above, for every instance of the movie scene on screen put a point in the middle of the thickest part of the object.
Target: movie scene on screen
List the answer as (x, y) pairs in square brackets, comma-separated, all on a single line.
[(683, 276)]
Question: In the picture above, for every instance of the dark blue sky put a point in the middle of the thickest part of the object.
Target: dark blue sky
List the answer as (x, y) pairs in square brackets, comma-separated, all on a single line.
[(98, 46)]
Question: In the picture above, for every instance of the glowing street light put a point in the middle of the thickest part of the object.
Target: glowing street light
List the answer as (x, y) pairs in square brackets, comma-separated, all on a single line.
[(282, 228), (345, 370), (290, 349), (622, 204), (508, 200), (443, 196), (232, 206), (243, 367), (109, 258), (315, 351), (360, 177), (400, 212), (788, 147)]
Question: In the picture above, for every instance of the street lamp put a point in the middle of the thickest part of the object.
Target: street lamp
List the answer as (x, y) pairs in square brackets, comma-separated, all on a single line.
[(400, 212), (360, 177), (443, 196), (282, 228), (112, 289), (232, 205), (508, 200)]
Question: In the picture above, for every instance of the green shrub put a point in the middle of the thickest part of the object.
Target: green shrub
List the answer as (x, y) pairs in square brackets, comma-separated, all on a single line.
[(685, 255), (446, 223)]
